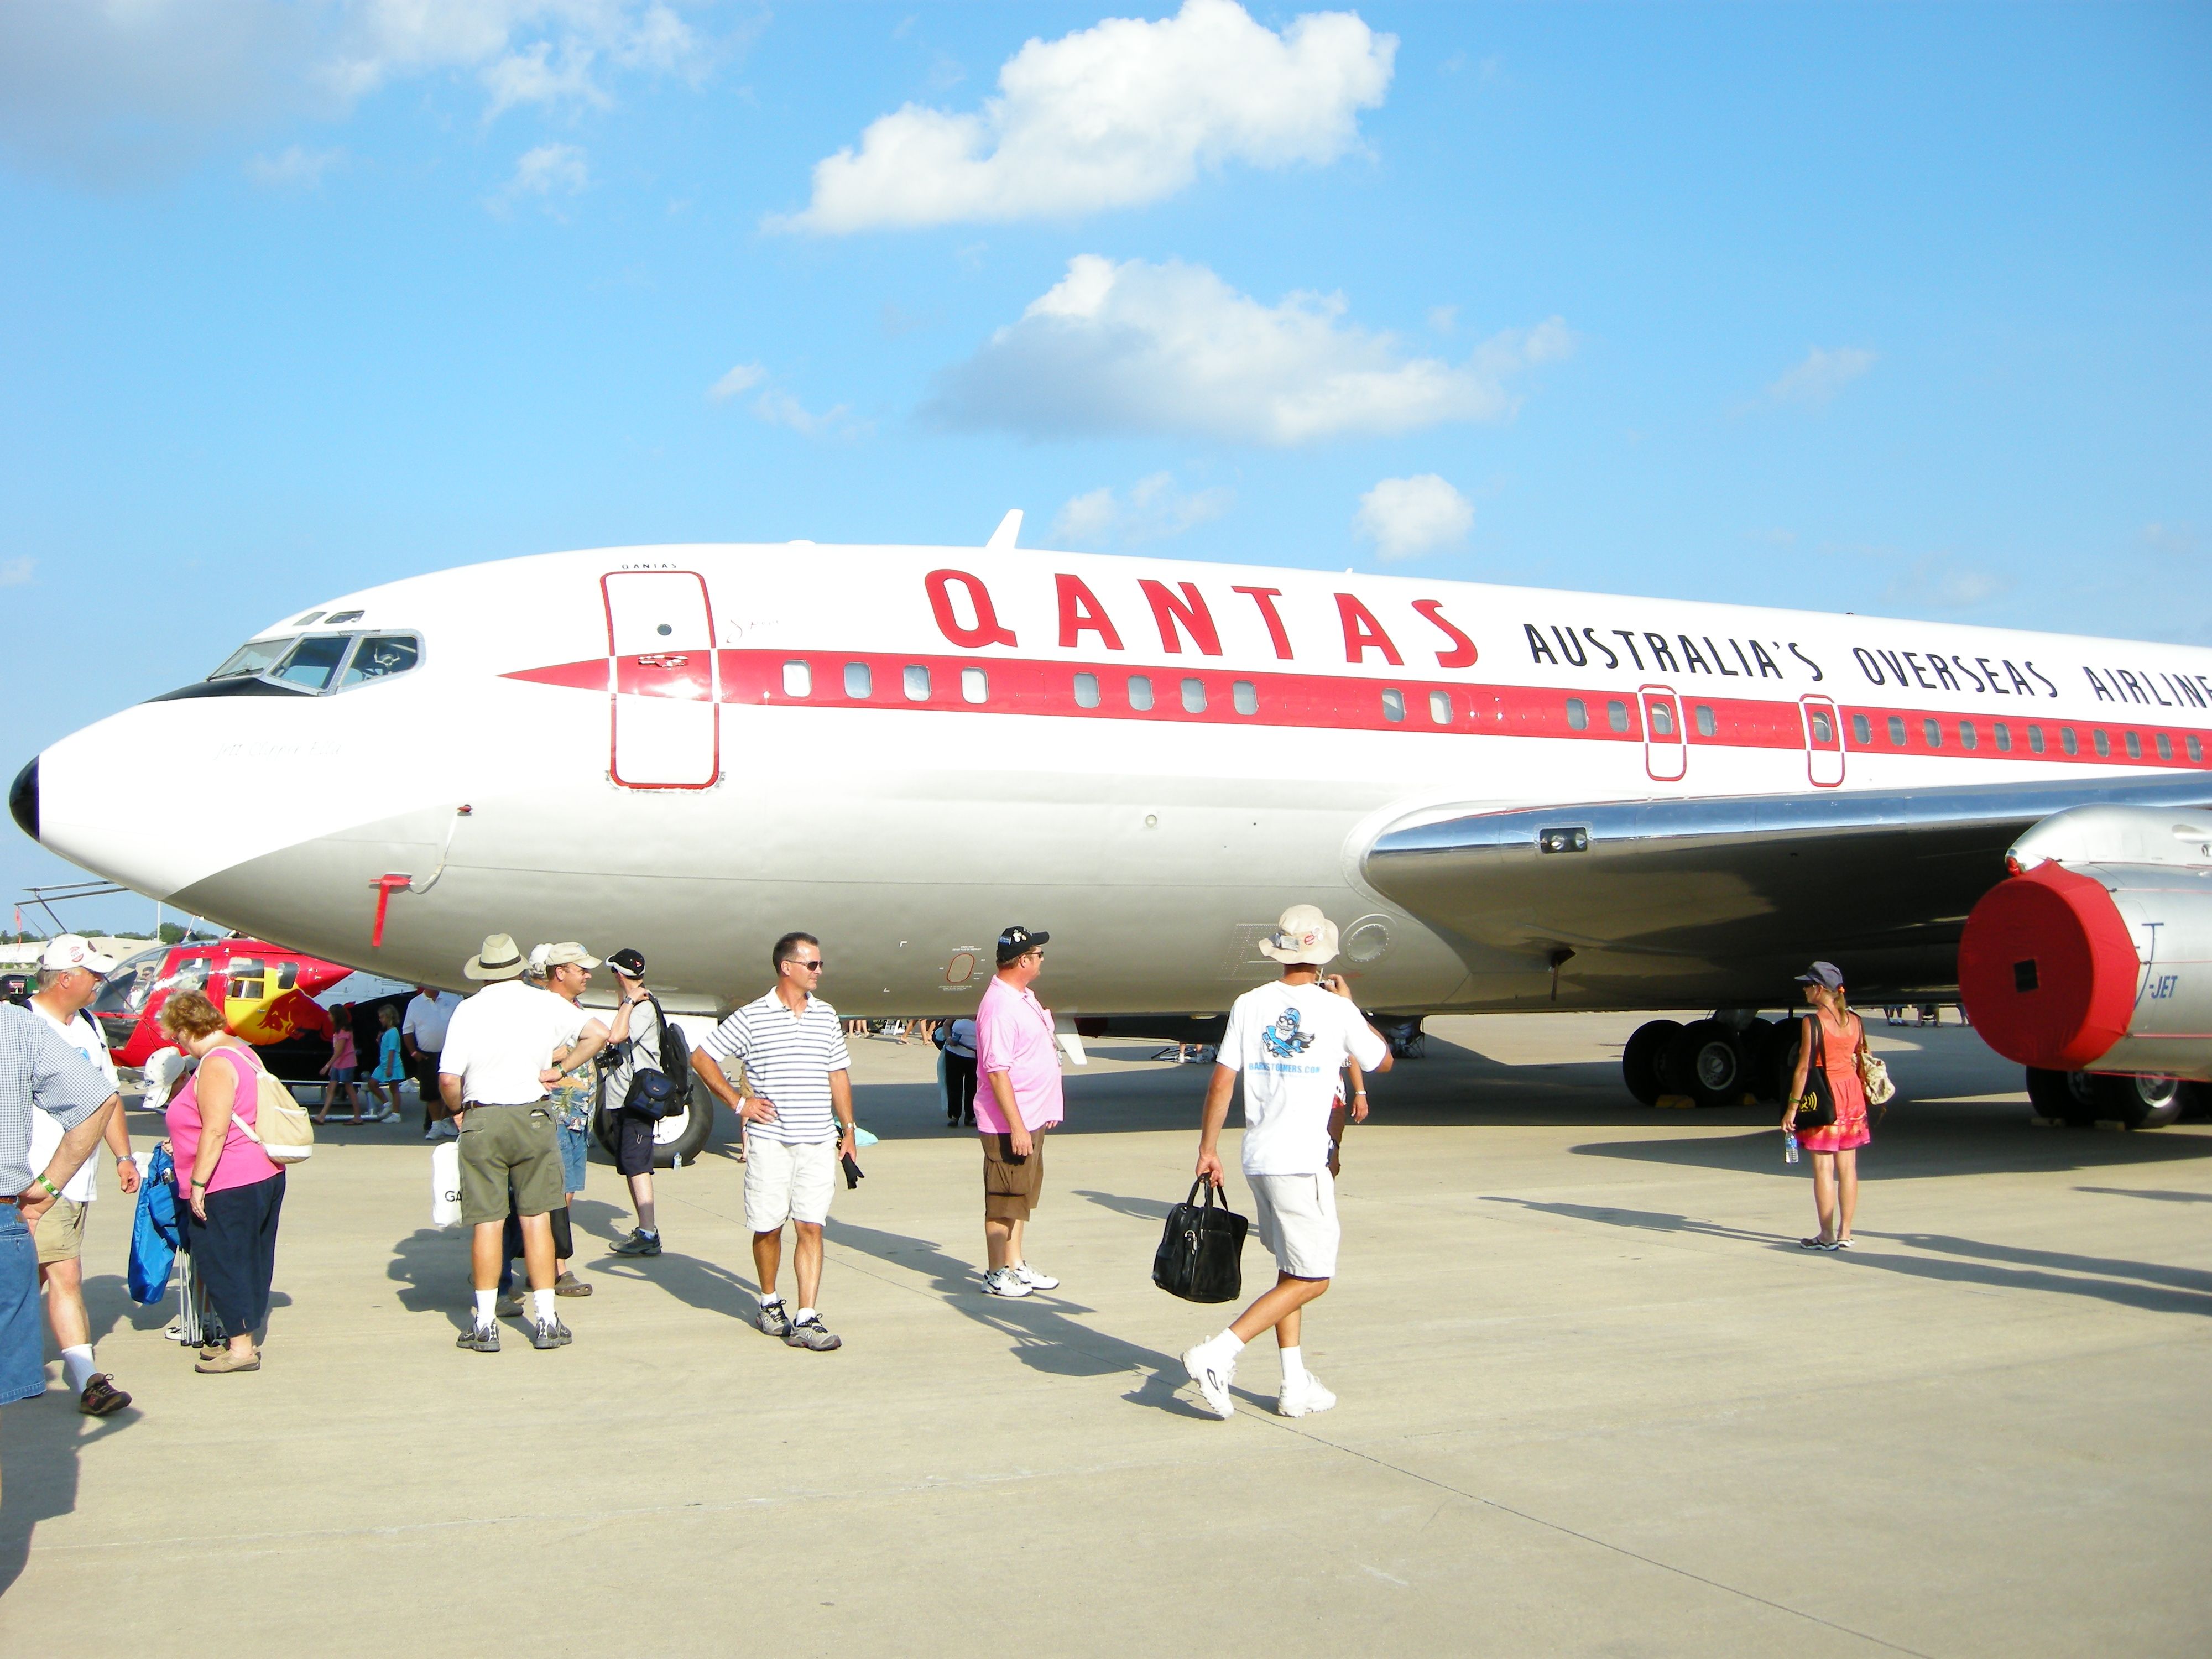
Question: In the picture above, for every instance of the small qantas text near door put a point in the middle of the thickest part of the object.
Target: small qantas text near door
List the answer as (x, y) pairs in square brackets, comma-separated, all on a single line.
[(667, 725), (1666, 751), (1824, 742)]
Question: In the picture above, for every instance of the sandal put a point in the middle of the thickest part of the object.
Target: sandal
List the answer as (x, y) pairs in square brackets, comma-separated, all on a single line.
[(1842, 1245), (1816, 1243)]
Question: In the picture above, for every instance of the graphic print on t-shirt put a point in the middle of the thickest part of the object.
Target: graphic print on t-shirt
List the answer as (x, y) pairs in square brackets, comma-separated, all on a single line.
[(1283, 1039)]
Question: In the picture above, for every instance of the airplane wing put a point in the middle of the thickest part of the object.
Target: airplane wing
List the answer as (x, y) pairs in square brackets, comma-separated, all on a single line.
[(1717, 902)]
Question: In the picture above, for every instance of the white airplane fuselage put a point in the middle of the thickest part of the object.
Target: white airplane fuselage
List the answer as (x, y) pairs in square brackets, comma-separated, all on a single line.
[(694, 748)]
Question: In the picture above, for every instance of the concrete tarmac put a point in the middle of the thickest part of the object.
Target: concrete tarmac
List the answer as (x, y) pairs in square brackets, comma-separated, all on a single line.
[(1595, 1400)]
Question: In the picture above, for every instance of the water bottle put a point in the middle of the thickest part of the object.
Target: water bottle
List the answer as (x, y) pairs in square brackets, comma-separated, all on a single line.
[(1789, 1149)]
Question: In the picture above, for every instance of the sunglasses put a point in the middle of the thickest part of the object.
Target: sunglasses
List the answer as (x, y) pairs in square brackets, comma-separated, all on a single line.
[(805, 967)]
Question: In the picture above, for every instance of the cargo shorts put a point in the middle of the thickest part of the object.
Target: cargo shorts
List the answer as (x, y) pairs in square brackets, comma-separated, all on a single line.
[(60, 1231), (509, 1144)]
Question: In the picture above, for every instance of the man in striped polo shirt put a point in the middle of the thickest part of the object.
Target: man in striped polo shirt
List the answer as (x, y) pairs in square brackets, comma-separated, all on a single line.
[(794, 1055)]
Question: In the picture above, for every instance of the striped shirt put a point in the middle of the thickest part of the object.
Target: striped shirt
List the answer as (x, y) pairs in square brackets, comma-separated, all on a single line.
[(39, 1071), (788, 1059)]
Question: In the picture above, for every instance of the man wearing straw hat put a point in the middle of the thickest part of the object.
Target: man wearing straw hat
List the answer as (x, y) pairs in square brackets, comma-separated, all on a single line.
[(492, 1074), (1290, 1040)]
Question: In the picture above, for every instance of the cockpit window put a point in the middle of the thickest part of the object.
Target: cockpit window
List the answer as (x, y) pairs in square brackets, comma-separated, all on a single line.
[(380, 654), (311, 663), (256, 658)]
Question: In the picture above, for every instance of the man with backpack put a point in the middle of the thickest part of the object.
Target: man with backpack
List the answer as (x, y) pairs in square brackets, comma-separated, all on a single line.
[(649, 1050)]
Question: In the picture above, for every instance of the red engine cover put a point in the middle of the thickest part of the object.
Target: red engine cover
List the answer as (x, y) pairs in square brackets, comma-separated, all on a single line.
[(2047, 970)]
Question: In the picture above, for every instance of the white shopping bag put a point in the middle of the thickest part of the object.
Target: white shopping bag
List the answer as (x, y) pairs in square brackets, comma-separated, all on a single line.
[(445, 1184)]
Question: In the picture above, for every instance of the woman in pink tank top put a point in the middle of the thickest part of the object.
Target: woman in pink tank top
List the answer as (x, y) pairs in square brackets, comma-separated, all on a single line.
[(1833, 1034), (231, 1193)]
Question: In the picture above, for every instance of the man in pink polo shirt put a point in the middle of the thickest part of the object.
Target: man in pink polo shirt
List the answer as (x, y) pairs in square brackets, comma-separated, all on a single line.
[(1020, 1063)]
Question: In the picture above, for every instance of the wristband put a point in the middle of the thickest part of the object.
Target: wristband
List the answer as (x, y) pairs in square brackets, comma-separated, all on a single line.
[(199, 1183), (51, 1190)]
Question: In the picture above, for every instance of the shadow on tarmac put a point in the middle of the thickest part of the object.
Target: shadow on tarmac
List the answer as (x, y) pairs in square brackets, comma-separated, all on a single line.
[(2154, 1288), (2151, 1193), (1044, 1336)]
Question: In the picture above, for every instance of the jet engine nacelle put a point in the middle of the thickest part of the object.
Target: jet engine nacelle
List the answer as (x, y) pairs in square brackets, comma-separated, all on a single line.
[(2097, 954)]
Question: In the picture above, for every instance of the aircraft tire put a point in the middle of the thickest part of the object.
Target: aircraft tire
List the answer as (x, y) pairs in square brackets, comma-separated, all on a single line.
[(677, 1143), (1640, 1059), (1706, 1061), (2064, 1096), (2141, 1102)]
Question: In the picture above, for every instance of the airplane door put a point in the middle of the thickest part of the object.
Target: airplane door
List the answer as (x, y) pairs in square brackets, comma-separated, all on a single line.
[(660, 635), (1824, 742), (1666, 753)]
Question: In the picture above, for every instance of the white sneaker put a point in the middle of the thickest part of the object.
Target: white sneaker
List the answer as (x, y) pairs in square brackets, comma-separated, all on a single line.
[(1003, 1281), (1030, 1277), (1214, 1375), (1298, 1399)]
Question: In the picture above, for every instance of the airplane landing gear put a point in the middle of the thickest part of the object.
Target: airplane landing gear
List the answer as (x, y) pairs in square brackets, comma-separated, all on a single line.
[(2080, 1099), (1640, 1059)]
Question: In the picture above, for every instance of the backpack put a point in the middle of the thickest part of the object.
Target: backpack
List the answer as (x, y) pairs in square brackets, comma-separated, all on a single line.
[(675, 1058), (280, 1126)]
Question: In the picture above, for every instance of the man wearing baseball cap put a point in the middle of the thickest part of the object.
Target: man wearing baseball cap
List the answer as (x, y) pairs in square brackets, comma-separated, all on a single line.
[(633, 1131), (71, 972), (1290, 1040), (492, 1074), (1020, 1065)]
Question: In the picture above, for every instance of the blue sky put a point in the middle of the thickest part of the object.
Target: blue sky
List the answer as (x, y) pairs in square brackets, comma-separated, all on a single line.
[(1885, 309)]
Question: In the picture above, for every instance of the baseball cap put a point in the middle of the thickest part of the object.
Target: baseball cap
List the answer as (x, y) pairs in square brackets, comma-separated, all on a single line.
[(1303, 937), (67, 950), (628, 962), (1019, 941), (567, 951), (1825, 973)]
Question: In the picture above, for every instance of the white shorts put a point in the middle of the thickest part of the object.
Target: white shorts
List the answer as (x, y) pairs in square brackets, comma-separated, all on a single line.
[(1296, 1215), (785, 1182)]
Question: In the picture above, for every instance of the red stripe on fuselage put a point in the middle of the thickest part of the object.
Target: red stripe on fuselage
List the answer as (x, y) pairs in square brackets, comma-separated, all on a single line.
[(1345, 703)]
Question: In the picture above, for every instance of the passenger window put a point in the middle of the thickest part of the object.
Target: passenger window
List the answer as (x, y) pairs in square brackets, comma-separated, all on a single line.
[(312, 662), (380, 657), (2164, 747), (1193, 697), (1578, 716), (2004, 737), (1966, 738), (2104, 743), (1086, 692), (798, 679), (1897, 731), (2035, 738), (245, 974), (975, 685), (1861, 733), (857, 681), (1393, 705), (1246, 698), (1824, 730), (917, 683), (1663, 718), (1933, 732), (2196, 748), (2134, 746), (1707, 725), (1616, 714), (2067, 741), (1141, 692)]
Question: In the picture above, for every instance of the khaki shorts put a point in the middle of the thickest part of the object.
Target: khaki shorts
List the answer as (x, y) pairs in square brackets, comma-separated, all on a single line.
[(61, 1232), (504, 1143), (1012, 1189), (1295, 1216)]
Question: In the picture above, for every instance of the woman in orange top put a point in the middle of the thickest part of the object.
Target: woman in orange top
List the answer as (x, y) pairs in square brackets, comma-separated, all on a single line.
[(1835, 1146)]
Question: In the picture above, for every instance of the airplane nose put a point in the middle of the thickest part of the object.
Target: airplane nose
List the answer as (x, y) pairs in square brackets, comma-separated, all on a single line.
[(23, 800)]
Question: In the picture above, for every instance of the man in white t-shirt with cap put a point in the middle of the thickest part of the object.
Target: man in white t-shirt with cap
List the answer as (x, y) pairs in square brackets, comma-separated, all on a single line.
[(1290, 1041), (71, 972)]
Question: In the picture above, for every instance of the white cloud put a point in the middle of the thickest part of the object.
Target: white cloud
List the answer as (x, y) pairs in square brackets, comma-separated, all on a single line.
[(1406, 517), (1114, 116), (545, 170), (1153, 510), (781, 409), (743, 377), (1821, 376), (119, 91), (2181, 539), (1171, 347), (17, 573), (1936, 581), (293, 168)]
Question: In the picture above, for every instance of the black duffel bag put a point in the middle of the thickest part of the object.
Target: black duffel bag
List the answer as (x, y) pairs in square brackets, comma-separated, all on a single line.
[(1200, 1258)]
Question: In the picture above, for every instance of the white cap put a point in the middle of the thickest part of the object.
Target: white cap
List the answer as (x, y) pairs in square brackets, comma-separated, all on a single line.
[(66, 951)]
